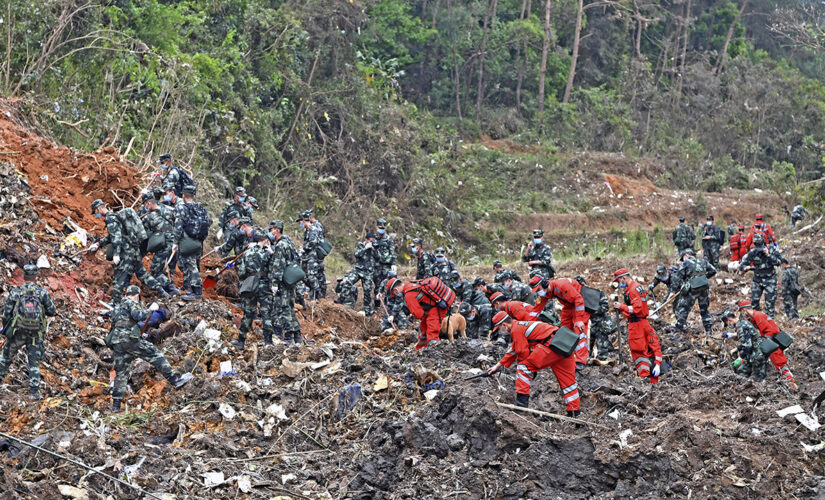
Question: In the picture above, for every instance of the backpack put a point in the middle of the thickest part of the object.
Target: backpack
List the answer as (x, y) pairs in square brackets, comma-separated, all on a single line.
[(28, 313), (197, 222), (133, 229), (184, 179), (436, 290)]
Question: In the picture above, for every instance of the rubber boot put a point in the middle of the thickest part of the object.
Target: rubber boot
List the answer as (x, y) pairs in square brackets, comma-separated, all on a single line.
[(197, 294), (34, 393), (172, 290), (240, 341), (267, 338), (115, 406), (296, 338), (522, 400), (288, 338), (573, 413), (279, 332), (709, 331), (162, 293)]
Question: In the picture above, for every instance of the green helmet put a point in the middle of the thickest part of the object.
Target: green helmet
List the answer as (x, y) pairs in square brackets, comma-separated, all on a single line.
[(758, 239), (132, 290), (30, 270), (95, 204)]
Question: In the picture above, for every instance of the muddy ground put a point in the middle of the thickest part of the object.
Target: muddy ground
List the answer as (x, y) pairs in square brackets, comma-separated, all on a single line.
[(347, 416)]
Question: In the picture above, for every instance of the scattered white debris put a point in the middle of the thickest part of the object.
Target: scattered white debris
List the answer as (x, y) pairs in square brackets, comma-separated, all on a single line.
[(43, 262), (728, 281), (749, 399), (277, 411), (431, 394), (72, 492), (718, 281), (791, 410), (614, 414), (815, 447), (226, 368), (244, 484), (287, 478), (227, 411), (624, 435), (212, 479), (812, 423), (822, 375)]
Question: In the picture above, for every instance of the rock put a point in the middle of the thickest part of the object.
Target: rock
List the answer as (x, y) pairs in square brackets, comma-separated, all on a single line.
[(455, 442)]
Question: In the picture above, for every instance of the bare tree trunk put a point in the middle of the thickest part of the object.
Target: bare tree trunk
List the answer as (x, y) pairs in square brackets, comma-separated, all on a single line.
[(489, 20), (526, 6), (576, 38), (455, 64), (687, 23), (544, 49), (729, 36), (639, 27)]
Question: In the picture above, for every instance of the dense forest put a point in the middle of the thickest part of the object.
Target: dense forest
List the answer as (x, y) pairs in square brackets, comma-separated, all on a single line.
[(379, 105)]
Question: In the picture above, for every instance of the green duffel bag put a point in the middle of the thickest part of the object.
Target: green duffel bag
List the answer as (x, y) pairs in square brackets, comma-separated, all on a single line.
[(783, 340), (110, 252), (189, 247), (156, 243), (564, 342), (324, 248), (698, 282), (591, 297), (293, 274), (249, 285), (768, 346)]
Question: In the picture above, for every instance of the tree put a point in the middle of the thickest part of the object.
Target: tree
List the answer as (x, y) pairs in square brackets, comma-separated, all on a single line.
[(576, 38), (545, 47)]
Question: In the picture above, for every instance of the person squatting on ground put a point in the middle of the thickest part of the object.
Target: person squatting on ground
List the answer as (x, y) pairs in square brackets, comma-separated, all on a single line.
[(573, 315), (24, 324), (428, 301), (768, 329), (641, 339), (530, 349), (751, 360)]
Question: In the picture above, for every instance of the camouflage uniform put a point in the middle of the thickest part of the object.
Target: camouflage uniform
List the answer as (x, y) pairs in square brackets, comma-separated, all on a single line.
[(733, 228), (477, 298), (790, 291), (463, 289), (683, 237), (170, 180), (712, 245), (347, 289), (231, 208), (602, 326), (764, 260), (444, 270), (235, 241), (321, 269), (190, 265), (516, 291), (174, 206), (798, 214), (396, 307), (311, 263), (424, 266), (753, 361), (161, 220), (283, 317), (690, 268), (543, 254), (130, 258), (482, 322), (385, 258), (363, 271), (15, 340), (674, 286), (506, 274), (124, 339), (255, 262)]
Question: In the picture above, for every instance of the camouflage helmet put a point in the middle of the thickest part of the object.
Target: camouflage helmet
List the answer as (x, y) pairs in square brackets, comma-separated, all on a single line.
[(464, 309), (382, 223), (240, 190), (497, 264), (681, 219), (439, 252), (581, 279), (300, 217), (758, 239), (244, 220), (97, 203), (661, 271), (165, 156), (147, 196), (538, 233), (253, 202), (417, 241), (190, 189), (276, 224), (30, 270), (727, 315), (688, 251), (454, 274), (132, 290), (479, 281)]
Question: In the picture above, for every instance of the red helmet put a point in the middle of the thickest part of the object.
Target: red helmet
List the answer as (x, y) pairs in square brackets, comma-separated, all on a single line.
[(499, 319), (619, 273), (496, 296), (391, 283), (535, 280), (758, 216), (744, 304)]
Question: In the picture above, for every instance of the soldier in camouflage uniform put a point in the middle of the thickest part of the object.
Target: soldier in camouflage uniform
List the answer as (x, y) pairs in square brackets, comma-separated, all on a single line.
[(693, 269), (479, 320), (790, 290), (713, 237), (235, 240), (762, 260), (347, 289), (539, 256), (125, 340), (160, 218), (397, 312), (462, 287), (237, 207), (799, 213), (424, 261), (751, 359), (190, 265), (515, 290), (316, 224), (670, 277), (733, 228), (26, 331), (254, 266), (602, 326), (127, 260), (385, 256), (310, 260), (683, 237), (502, 274), (443, 267), (478, 298), (364, 269), (172, 175), (284, 254)]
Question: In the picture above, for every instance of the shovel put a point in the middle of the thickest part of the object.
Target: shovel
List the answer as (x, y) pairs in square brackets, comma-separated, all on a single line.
[(213, 251), (211, 281), (169, 260)]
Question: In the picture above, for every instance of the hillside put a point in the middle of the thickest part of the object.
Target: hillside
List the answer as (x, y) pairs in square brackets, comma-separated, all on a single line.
[(278, 425)]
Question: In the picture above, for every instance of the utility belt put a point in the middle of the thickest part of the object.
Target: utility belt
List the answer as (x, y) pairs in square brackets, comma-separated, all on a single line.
[(634, 319)]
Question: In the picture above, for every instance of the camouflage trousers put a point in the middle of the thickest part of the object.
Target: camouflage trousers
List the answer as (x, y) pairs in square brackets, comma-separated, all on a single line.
[(34, 353), (754, 364), (766, 285), (711, 253), (283, 311), (686, 302), (191, 268), (379, 275), (158, 267), (789, 299), (250, 305), (601, 328), (365, 277), (347, 293), (126, 352), (395, 306), (130, 264), (315, 275)]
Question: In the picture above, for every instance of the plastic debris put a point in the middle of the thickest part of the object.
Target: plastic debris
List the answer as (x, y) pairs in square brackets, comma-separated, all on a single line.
[(276, 411), (347, 397), (43, 262), (227, 411), (791, 410), (212, 479)]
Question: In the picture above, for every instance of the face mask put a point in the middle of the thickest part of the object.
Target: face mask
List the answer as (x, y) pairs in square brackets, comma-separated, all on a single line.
[(470, 318), (708, 223), (167, 198), (380, 230), (270, 236), (164, 166), (505, 287), (622, 285), (241, 199), (479, 292), (231, 226), (541, 293), (537, 241), (98, 216), (414, 250), (439, 259)]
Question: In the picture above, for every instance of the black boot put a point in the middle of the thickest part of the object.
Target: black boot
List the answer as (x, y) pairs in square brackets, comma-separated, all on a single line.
[(162, 293), (279, 332), (171, 289), (522, 400), (267, 338), (34, 393), (296, 337), (115, 406), (288, 338), (239, 343), (196, 294), (573, 413)]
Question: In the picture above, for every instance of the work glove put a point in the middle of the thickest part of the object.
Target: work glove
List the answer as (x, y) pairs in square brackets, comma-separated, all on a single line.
[(379, 296), (154, 307), (274, 290), (94, 247), (737, 363), (541, 293), (729, 335), (578, 326), (229, 265), (220, 234), (390, 318), (544, 283), (251, 244), (656, 370), (368, 246), (116, 259), (441, 304), (493, 369)]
